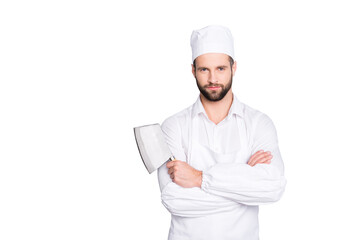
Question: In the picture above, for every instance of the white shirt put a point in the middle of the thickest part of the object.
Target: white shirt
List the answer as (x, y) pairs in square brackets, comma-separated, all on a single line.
[(226, 205)]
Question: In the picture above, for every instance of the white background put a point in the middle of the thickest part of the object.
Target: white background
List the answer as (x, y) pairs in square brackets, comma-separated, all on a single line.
[(77, 76)]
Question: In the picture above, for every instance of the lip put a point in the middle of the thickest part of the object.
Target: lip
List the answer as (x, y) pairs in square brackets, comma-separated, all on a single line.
[(213, 88)]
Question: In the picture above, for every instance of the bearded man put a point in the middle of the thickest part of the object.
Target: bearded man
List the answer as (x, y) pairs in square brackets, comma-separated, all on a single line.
[(227, 156)]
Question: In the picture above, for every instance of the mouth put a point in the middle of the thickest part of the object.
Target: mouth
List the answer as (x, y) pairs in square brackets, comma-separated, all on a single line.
[(213, 87)]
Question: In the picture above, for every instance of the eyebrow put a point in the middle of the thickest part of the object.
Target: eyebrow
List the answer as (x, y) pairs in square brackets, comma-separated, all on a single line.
[(198, 68), (221, 66)]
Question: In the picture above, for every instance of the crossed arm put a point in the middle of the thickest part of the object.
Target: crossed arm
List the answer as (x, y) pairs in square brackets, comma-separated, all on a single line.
[(188, 192), (186, 176)]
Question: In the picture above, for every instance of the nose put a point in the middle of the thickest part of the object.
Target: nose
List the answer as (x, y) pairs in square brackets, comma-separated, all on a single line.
[(212, 78)]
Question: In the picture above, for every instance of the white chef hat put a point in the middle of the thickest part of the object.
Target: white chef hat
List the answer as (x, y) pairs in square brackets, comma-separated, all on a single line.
[(212, 39)]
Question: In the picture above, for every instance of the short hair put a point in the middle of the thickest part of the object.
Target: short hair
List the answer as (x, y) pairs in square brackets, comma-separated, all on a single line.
[(231, 60)]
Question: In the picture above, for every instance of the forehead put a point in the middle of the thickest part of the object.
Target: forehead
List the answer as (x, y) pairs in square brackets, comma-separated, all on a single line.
[(212, 59)]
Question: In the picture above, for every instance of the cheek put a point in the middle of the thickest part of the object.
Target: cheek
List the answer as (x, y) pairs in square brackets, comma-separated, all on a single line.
[(224, 77), (201, 78), (228, 76)]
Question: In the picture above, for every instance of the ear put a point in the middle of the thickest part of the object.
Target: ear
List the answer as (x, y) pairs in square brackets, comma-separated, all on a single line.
[(234, 67)]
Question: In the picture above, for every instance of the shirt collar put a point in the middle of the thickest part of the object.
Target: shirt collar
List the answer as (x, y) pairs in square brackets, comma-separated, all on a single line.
[(236, 108)]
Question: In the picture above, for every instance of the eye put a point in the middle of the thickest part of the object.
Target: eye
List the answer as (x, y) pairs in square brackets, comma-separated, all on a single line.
[(221, 69), (203, 69)]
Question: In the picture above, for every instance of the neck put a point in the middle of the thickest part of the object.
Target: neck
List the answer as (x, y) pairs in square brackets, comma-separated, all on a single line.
[(217, 111)]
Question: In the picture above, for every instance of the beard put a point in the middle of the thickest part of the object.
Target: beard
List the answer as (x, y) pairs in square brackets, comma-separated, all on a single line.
[(213, 95)]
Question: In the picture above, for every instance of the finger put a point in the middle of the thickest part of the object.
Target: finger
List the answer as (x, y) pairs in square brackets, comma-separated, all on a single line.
[(171, 163), (257, 157), (266, 162), (171, 170), (260, 158), (263, 160), (256, 154), (251, 160)]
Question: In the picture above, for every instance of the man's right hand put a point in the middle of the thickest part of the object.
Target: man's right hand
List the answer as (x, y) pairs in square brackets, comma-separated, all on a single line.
[(260, 157)]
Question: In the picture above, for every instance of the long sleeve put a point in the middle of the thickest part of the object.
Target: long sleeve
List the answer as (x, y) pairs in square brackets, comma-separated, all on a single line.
[(261, 184), (186, 202)]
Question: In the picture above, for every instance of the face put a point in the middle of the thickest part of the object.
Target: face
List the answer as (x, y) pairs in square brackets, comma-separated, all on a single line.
[(213, 75)]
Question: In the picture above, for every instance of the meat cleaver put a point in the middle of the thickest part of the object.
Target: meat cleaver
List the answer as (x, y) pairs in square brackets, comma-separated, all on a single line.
[(152, 146)]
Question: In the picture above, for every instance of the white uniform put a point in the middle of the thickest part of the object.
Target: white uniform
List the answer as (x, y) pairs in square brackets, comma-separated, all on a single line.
[(226, 205)]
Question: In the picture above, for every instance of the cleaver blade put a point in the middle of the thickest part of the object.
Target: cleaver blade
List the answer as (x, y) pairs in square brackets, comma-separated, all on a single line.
[(152, 146)]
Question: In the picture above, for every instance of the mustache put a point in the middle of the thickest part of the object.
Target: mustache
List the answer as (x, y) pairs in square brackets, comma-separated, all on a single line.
[(214, 85)]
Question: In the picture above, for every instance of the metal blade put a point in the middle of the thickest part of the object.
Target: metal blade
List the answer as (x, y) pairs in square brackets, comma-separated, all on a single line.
[(152, 146)]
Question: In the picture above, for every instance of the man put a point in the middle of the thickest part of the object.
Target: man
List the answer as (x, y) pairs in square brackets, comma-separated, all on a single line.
[(228, 160)]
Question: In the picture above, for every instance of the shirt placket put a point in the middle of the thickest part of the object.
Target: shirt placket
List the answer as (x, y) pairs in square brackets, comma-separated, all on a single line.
[(216, 145)]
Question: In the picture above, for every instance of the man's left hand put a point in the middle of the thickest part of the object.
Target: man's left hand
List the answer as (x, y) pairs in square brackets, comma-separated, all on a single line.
[(183, 174)]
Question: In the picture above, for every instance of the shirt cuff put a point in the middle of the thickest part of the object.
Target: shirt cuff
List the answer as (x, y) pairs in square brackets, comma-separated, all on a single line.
[(205, 181)]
